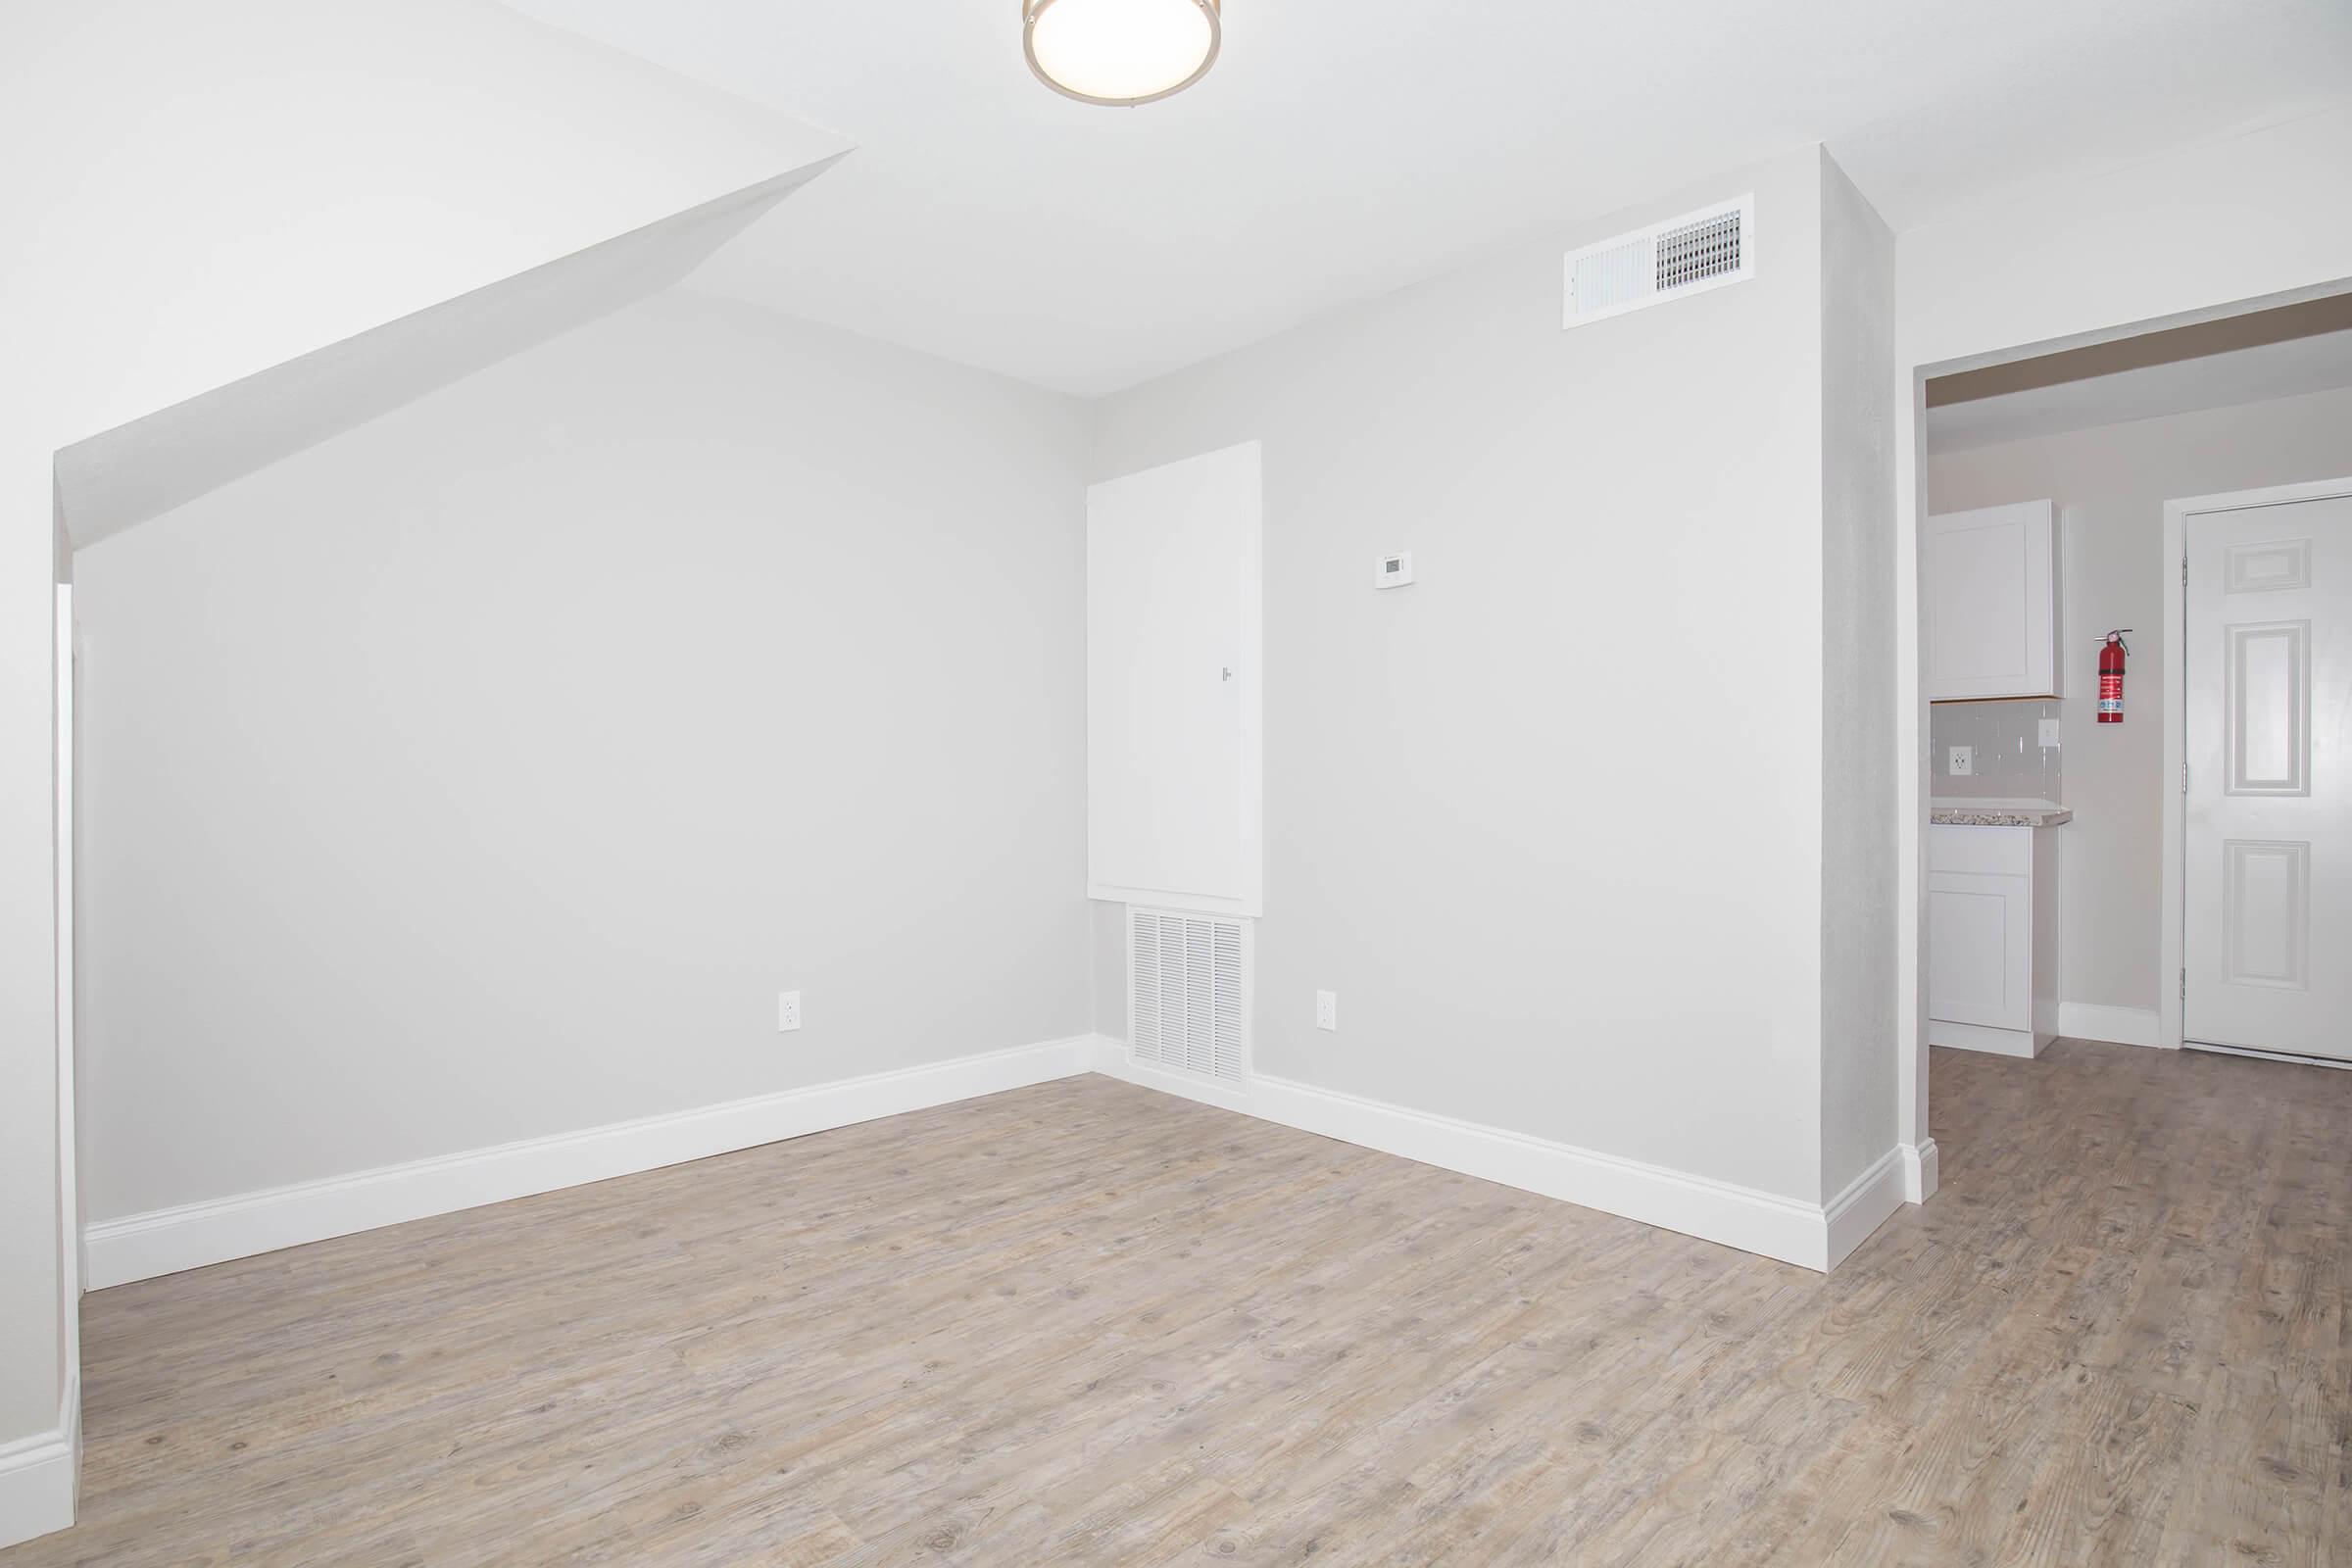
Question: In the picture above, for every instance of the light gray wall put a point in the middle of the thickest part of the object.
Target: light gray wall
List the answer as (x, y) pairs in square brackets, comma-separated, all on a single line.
[(484, 773), (1857, 680), (1549, 821), (2110, 485)]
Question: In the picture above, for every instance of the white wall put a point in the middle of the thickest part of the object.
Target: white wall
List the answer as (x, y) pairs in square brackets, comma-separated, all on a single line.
[(485, 772), (2110, 484), (1858, 1120), (193, 193), (1547, 899), (2183, 236)]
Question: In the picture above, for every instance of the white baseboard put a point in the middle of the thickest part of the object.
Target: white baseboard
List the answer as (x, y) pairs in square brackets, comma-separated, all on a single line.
[(1813, 1236), (166, 1240), (1110, 1059), (38, 1474), (1867, 1203), (1983, 1036), (1923, 1170), (2122, 1026)]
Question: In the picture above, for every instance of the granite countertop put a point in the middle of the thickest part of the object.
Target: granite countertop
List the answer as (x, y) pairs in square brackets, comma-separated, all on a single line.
[(1962, 812)]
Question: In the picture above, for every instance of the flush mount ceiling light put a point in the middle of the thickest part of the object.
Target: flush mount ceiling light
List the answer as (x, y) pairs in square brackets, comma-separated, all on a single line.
[(1119, 52)]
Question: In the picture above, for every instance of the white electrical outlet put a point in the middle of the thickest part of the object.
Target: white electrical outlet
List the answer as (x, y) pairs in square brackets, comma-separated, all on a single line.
[(1963, 762), (2049, 734), (788, 1012), (1327, 1010)]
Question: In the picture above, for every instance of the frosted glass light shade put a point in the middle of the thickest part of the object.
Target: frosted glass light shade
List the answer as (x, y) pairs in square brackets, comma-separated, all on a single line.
[(1120, 52)]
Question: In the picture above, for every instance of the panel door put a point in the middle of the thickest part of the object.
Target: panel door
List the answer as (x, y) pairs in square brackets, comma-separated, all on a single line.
[(2267, 859), (1990, 592), (1981, 949), (1172, 685)]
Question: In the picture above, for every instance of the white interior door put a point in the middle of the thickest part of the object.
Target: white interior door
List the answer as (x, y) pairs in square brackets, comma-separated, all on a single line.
[(2268, 850), (1172, 685)]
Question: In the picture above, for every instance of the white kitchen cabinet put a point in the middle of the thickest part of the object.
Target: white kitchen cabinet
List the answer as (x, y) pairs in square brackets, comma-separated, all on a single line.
[(1992, 937), (1990, 596)]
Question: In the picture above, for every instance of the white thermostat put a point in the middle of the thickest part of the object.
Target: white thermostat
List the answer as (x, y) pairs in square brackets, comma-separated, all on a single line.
[(1393, 571)]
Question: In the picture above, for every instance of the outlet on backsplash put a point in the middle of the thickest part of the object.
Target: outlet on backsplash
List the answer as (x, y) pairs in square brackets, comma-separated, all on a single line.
[(2008, 749)]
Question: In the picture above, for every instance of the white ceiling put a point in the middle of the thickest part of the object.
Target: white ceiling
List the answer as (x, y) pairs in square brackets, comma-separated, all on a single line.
[(121, 477), (1343, 148)]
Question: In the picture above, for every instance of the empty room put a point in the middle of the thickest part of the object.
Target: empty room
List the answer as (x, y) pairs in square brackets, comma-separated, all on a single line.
[(1021, 782)]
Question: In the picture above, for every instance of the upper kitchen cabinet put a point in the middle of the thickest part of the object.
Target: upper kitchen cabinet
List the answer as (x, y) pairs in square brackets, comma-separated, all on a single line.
[(1989, 595)]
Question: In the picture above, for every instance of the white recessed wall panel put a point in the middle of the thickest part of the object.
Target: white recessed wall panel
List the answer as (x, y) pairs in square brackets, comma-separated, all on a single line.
[(1172, 684)]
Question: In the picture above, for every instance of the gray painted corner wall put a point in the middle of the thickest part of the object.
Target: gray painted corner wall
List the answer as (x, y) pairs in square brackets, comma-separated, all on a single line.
[(485, 772), (2110, 484), (1858, 1087), (1548, 901)]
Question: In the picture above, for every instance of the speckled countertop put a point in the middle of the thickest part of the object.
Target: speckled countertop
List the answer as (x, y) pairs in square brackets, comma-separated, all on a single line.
[(1961, 811)]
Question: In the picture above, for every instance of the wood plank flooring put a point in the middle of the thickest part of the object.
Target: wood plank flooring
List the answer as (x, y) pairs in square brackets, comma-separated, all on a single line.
[(1083, 1323)]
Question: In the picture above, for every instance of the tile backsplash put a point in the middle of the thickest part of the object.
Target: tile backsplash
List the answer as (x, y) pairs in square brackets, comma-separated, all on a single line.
[(2009, 759)]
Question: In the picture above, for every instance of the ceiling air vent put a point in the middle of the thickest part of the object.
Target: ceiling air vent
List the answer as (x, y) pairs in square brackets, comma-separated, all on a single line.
[(1687, 255), (1186, 997)]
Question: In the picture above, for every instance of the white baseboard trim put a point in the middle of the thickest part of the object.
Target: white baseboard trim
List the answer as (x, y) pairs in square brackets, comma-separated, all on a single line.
[(166, 1240), (1923, 1170), (2122, 1026), (2287, 1056), (1868, 1201), (2024, 1042), (1110, 1059), (1811, 1236), (39, 1474)]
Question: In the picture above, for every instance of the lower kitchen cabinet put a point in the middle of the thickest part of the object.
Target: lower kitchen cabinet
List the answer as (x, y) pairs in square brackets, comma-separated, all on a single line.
[(1992, 937)]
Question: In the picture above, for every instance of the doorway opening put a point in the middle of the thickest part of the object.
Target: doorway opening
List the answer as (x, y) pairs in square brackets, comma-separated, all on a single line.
[(2051, 514)]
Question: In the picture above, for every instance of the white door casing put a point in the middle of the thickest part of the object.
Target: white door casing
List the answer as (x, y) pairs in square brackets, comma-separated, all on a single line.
[(1173, 692), (2267, 743)]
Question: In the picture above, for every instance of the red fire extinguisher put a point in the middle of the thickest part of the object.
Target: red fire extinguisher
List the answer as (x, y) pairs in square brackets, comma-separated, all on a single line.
[(2111, 677)]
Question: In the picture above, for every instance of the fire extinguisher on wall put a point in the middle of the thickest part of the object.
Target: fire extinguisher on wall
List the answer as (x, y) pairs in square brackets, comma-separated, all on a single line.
[(2111, 677)]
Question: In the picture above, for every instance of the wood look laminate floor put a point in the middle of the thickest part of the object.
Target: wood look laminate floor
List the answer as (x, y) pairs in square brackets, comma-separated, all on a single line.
[(1083, 1323)]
